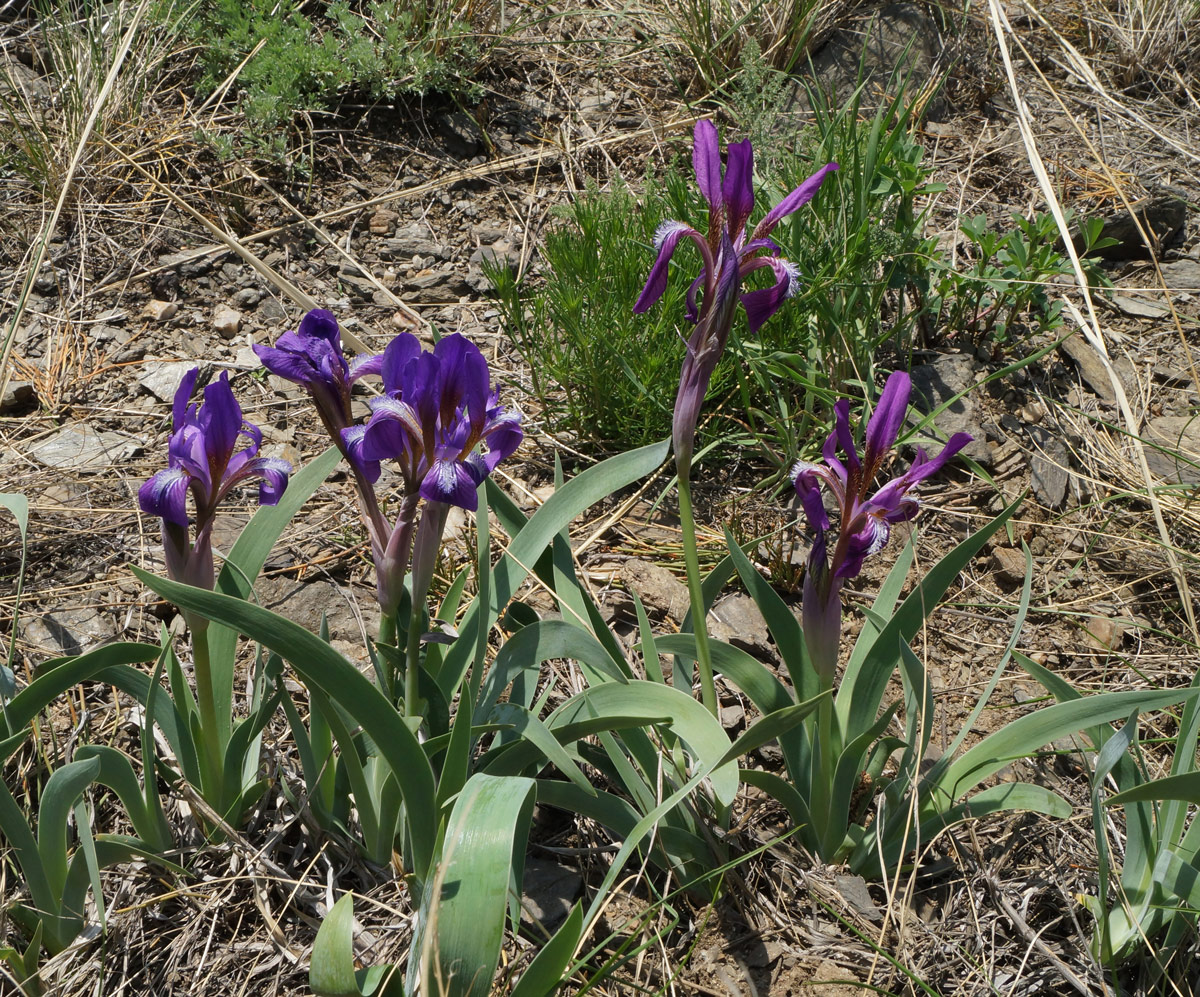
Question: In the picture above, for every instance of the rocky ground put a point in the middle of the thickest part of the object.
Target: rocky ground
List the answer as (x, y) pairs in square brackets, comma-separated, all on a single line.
[(149, 273)]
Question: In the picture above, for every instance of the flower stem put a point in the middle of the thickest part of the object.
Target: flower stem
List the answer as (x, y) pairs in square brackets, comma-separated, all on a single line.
[(206, 701), (708, 692), (823, 795), (412, 658), (387, 635)]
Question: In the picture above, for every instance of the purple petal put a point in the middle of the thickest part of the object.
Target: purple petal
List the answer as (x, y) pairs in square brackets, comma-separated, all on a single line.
[(221, 420), (844, 437), (165, 496), (288, 364), (182, 395), (738, 188), (761, 305), (272, 470), (399, 353), (829, 453), (352, 441), (462, 379), (925, 466), (806, 479), (665, 240), (886, 420), (706, 159), (365, 365), (796, 199), (321, 324), (451, 482), (869, 539)]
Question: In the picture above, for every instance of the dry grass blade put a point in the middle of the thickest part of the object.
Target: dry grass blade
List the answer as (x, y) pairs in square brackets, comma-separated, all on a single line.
[(1090, 327), (43, 241)]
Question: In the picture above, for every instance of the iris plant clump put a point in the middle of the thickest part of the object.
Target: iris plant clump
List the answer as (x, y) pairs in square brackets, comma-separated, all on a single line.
[(201, 460), (865, 517), (439, 420), (728, 254)]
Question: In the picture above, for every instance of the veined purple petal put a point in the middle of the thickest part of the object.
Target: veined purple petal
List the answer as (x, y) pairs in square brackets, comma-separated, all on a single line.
[(462, 379), (886, 420), (273, 471), (738, 188), (365, 365), (706, 160), (665, 240), (288, 364), (352, 440), (870, 538), (762, 304), (829, 453), (796, 199), (165, 496), (451, 482)]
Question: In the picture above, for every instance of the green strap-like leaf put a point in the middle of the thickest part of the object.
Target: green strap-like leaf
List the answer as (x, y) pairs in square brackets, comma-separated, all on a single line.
[(576, 496), (245, 560), (321, 666), (331, 968), (62, 789), (545, 972)]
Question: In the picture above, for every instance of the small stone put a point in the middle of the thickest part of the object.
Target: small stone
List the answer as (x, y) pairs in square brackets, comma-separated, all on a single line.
[(270, 310), (855, 892), (68, 631), (936, 383), (1009, 566), (1104, 633), (160, 311), (247, 297), (246, 359), (18, 395), (1049, 468), (114, 316), (738, 621), (732, 716), (227, 321), (1139, 307), (1161, 216), (383, 222)]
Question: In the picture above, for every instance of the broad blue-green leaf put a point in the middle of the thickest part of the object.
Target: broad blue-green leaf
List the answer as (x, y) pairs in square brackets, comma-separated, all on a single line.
[(18, 505), (62, 789), (331, 967), (688, 719), (116, 772), (1184, 787), (1026, 734), (321, 666), (462, 922)]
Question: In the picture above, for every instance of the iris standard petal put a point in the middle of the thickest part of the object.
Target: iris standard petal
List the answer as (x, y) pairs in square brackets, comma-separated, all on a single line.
[(398, 354), (738, 188), (844, 437), (288, 364), (665, 240), (365, 365), (706, 160), (183, 394), (924, 466), (165, 496), (221, 420), (320, 323), (886, 420), (796, 199)]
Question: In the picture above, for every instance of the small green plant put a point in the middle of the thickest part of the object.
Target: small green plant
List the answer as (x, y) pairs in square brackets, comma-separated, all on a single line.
[(303, 59), (1011, 277), (600, 372)]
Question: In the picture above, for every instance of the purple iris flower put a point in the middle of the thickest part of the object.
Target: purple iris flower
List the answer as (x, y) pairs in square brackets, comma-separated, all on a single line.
[(312, 357), (728, 254), (865, 519), (202, 461), (439, 408)]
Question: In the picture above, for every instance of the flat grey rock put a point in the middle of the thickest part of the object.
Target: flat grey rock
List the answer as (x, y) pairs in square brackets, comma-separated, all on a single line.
[(550, 890), (305, 602), (1049, 468), (736, 620), (68, 631), (662, 594), (1179, 459), (161, 378), (81, 448), (1161, 216), (17, 395), (1140, 307)]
